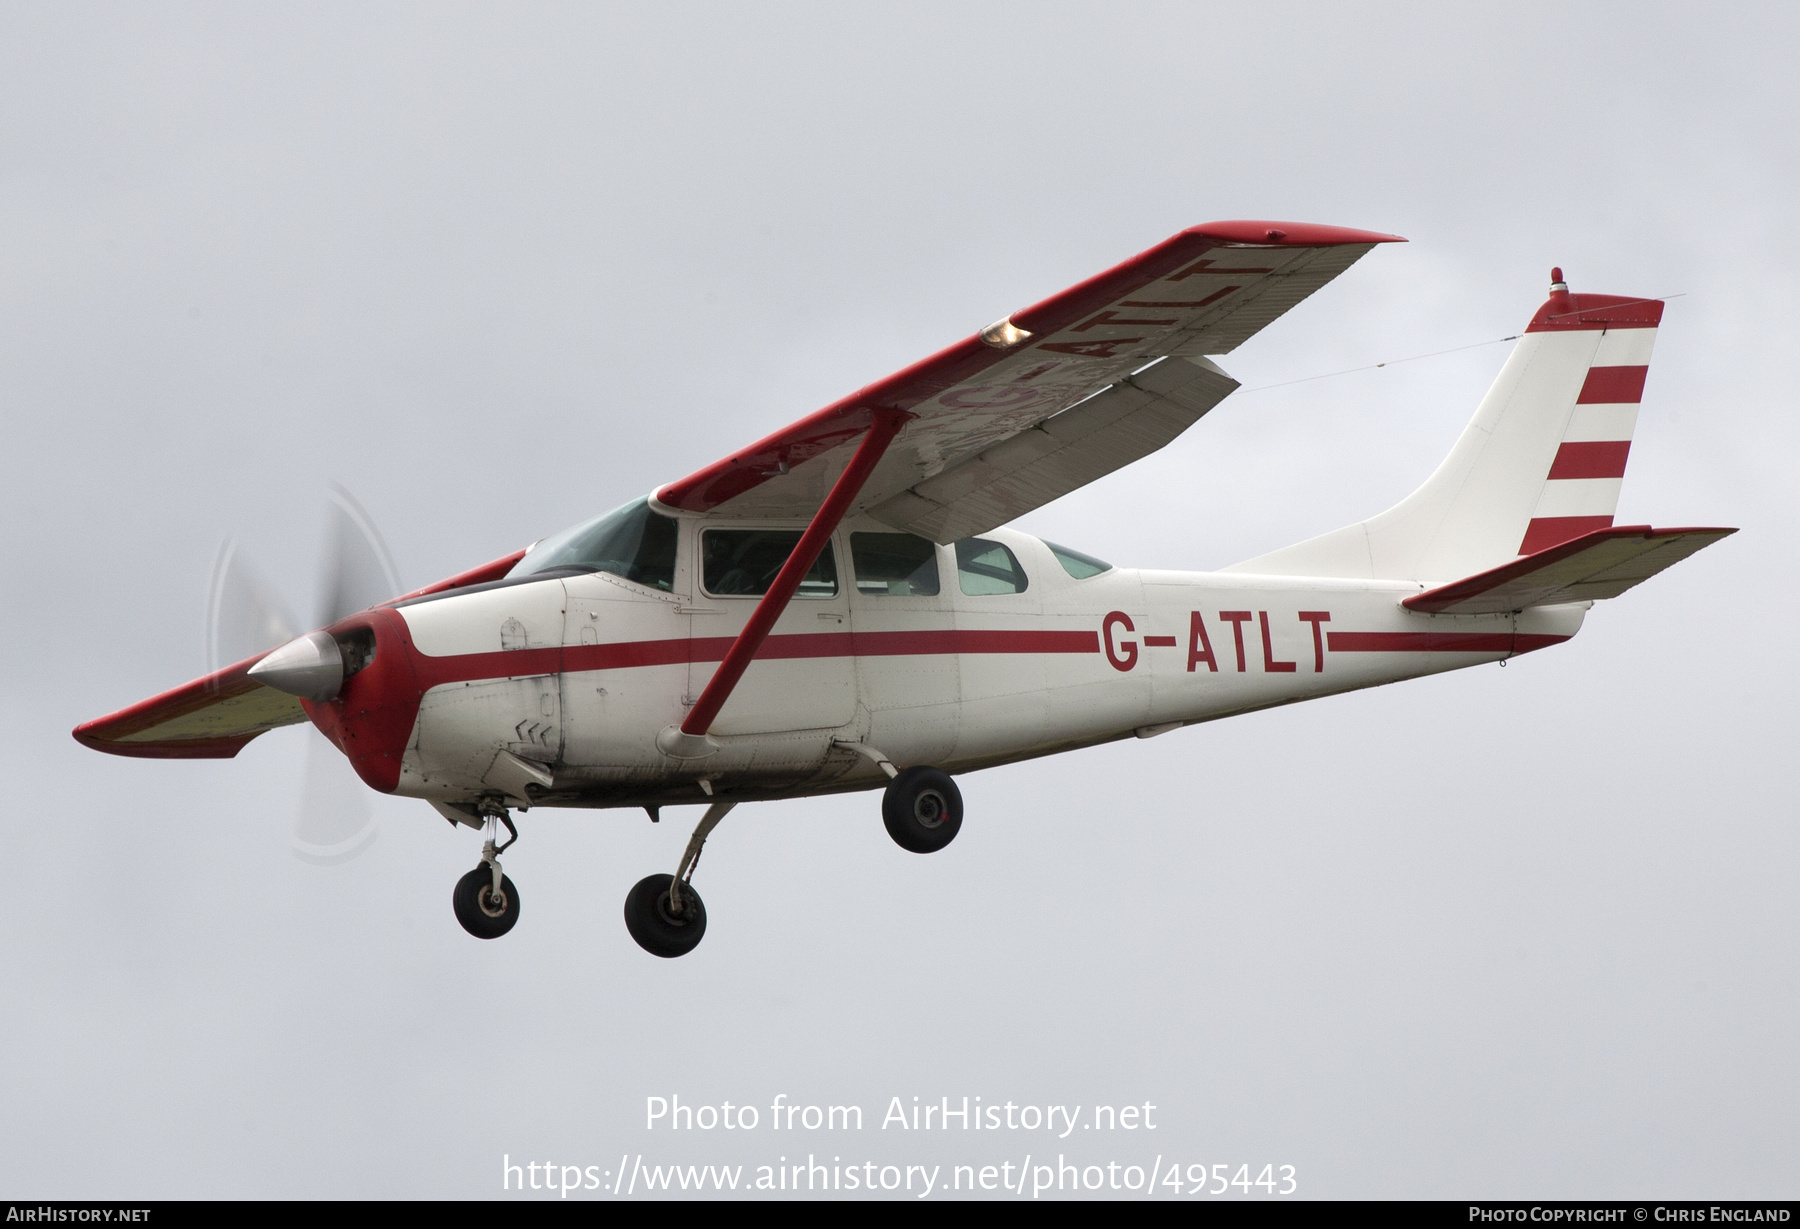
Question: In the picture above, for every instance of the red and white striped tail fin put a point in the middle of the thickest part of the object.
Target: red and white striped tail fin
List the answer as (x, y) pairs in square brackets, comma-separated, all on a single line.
[(1581, 491), (1541, 462)]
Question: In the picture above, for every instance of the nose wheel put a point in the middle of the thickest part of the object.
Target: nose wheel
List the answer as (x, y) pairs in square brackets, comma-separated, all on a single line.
[(485, 900), (483, 912)]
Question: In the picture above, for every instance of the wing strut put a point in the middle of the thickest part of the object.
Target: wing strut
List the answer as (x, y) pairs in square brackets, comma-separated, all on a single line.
[(886, 425)]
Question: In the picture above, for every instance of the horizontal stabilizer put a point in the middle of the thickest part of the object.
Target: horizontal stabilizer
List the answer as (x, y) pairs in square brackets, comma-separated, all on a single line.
[(1596, 565), (209, 718)]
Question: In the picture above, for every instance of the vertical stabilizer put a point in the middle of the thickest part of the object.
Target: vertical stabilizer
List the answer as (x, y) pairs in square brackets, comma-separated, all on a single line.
[(1541, 462)]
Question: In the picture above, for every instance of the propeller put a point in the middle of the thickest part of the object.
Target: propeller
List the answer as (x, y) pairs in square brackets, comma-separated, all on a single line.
[(246, 615)]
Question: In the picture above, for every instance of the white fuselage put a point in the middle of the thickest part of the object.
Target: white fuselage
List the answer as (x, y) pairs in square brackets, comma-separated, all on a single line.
[(956, 681)]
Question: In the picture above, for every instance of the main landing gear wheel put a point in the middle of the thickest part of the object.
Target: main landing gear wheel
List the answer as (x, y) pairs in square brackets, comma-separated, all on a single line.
[(658, 926), (664, 913), (922, 809), (481, 912)]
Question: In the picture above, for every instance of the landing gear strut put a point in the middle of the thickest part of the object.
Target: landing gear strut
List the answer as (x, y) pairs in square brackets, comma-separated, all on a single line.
[(922, 809), (485, 900), (663, 912)]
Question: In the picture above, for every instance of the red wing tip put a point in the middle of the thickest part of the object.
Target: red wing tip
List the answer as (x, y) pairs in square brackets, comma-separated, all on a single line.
[(176, 749), (1288, 234), (88, 734)]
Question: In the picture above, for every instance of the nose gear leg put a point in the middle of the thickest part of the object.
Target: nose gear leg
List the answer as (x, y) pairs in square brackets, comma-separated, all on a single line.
[(495, 814), (485, 900)]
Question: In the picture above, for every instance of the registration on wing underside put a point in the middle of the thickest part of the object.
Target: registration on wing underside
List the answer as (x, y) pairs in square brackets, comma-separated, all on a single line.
[(1191, 297)]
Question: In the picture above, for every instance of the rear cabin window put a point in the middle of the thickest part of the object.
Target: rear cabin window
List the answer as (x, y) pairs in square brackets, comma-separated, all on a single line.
[(985, 568), (632, 542), (1076, 564), (894, 564), (744, 563)]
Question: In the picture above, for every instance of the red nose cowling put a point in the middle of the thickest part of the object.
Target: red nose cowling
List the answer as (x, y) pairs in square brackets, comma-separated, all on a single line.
[(372, 718)]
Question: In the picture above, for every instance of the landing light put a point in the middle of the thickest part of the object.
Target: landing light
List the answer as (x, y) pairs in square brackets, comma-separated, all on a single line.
[(1004, 335)]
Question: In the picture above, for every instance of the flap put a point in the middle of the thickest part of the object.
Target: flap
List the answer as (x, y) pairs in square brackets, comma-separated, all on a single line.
[(1108, 431)]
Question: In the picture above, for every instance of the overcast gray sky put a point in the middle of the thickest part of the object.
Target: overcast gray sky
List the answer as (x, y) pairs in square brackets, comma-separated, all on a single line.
[(1522, 933)]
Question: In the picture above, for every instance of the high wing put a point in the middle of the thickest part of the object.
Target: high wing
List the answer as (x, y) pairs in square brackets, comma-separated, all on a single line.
[(1048, 399), (1601, 564), (209, 718)]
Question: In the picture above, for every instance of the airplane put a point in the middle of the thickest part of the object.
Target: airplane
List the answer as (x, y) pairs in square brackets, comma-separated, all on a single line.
[(839, 607)]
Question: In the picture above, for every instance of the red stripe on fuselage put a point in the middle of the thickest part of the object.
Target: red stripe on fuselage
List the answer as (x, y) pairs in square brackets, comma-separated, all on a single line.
[(514, 663), (518, 663), (1439, 642)]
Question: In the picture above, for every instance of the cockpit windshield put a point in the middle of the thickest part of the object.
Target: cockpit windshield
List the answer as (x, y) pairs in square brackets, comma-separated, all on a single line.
[(632, 542), (1076, 564)]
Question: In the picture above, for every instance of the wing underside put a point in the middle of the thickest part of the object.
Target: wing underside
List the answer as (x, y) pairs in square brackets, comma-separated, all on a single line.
[(209, 718), (1108, 431), (215, 716), (1048, 399)]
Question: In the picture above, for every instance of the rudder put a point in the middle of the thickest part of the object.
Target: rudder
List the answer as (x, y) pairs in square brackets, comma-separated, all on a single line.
[(1541, 462)]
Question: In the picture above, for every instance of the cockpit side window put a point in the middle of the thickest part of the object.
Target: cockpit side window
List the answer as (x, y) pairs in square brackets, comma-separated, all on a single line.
[(632, 542), (985, 567), (894, 564), (744, 563)]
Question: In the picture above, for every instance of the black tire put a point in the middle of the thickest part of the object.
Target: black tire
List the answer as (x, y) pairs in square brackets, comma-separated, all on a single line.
[(474, 904), (922, 809), (656, 927)]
